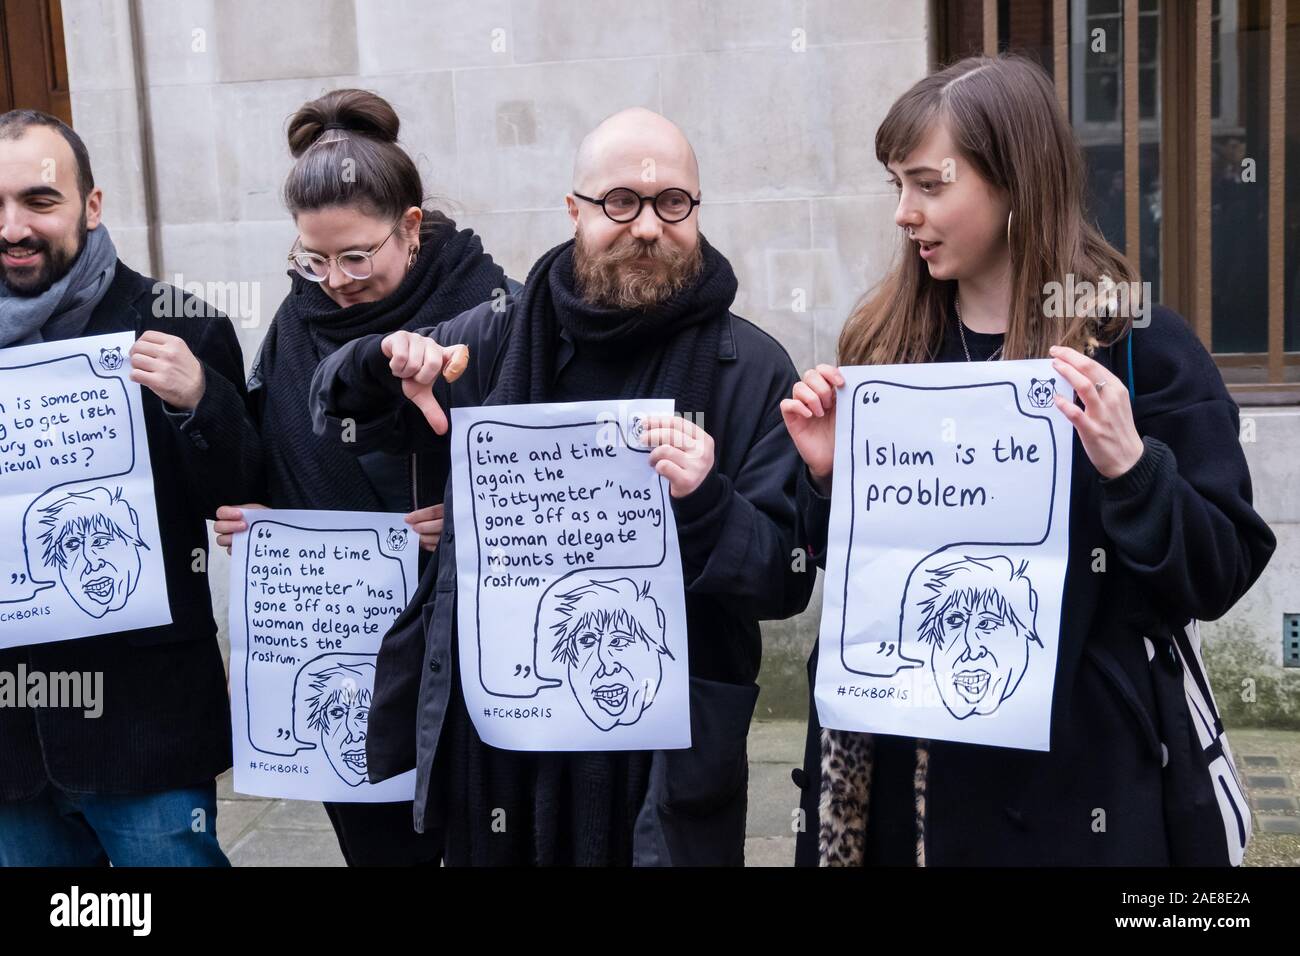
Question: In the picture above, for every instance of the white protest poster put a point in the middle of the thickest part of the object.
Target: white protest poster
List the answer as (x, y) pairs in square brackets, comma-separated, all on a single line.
[(946, 558), (572, 619), (77, 514), (312, 594)]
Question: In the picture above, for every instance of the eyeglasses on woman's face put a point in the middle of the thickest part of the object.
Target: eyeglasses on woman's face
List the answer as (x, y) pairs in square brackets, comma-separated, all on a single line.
[(355, 263)]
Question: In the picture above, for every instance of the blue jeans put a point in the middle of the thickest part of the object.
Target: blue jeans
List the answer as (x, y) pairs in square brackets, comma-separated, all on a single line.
[(87, 829)]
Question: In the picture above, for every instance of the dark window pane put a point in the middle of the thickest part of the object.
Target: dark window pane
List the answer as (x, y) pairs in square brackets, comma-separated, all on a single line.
[(1239, 181), (1148, 39), (1147, 93), (1095, 78), (1101, 96), (1150, 206), (1106, 49)]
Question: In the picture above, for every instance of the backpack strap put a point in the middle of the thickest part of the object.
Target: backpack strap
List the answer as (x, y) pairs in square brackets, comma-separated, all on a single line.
[(1128, 355)]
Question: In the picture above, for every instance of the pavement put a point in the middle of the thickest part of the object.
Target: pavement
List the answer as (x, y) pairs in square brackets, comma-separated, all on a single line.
[(1269, 762), (258, 832)]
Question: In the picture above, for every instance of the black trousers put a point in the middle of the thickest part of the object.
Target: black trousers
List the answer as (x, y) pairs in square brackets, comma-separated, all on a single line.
[(382, 834)]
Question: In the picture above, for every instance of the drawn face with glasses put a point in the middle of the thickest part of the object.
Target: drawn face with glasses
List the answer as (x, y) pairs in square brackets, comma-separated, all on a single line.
[(365, 269)]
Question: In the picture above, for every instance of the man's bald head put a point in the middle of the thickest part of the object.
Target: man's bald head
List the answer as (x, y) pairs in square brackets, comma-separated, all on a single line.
[(641, 262), (616, 152)]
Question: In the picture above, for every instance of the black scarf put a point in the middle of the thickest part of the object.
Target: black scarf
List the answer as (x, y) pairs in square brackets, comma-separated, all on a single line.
[(451, 274), (679, 338), (576, 808)]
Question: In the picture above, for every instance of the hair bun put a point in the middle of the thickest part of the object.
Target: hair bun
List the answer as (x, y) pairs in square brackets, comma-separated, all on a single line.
[(358, 112)]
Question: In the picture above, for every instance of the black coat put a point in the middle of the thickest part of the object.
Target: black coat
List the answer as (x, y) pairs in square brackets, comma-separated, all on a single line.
[(1181, 541), (166, 716), (375, 834), (736, 549)]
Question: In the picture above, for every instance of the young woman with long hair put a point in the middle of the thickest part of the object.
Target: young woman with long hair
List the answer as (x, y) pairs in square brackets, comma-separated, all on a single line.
[(990, 182)]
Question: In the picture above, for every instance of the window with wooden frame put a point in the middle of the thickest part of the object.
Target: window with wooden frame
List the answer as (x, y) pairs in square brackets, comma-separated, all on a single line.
[(1193, 157)]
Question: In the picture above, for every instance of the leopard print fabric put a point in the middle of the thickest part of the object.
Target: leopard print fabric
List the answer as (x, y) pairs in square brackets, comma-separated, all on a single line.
[(847, 762), (845, 790), (920, 780)]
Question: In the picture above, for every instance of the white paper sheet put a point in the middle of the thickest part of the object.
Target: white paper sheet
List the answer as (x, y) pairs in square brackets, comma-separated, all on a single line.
[(572, 620), (312, 594), (947, 551), (77, 514)]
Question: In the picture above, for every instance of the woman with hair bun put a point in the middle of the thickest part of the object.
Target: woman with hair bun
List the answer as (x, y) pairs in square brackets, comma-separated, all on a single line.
[(370, 257)]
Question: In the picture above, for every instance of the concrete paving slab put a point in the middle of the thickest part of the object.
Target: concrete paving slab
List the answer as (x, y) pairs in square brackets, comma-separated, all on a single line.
[(265, 847), (769, 851), (237, 817), (296, 815)]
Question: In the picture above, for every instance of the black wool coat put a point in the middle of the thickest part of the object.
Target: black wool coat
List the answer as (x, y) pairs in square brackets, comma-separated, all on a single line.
[(736, 535), (1181, 541), (166, 716)]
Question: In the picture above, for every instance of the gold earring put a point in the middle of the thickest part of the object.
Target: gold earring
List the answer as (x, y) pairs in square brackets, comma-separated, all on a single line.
[(1009, 229)]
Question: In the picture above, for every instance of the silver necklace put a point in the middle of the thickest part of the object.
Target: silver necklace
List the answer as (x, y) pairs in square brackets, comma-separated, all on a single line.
[(961, 331)]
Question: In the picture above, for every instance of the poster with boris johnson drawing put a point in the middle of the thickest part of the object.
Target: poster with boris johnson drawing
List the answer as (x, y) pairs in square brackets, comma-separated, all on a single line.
[(946, 559)]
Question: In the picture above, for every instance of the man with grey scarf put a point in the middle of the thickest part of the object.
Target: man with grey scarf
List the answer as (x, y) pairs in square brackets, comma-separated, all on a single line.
[(135, 785)]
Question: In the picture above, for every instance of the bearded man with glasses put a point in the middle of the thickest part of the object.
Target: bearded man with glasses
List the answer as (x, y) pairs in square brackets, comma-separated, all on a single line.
[(636, 305)]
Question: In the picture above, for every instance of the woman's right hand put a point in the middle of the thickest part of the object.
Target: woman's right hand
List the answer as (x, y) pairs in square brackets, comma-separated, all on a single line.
[(809, 415), (427, 523), (230, 521), (418, 361)]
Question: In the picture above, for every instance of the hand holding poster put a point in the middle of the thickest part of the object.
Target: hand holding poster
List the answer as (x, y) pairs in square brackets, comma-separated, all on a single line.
[(946, 560), (77, 506), (312, 594), (572, 620)]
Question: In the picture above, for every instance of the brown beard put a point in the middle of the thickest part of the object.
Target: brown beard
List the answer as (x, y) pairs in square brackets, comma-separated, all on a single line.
[(58, 263), (617, 278)]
